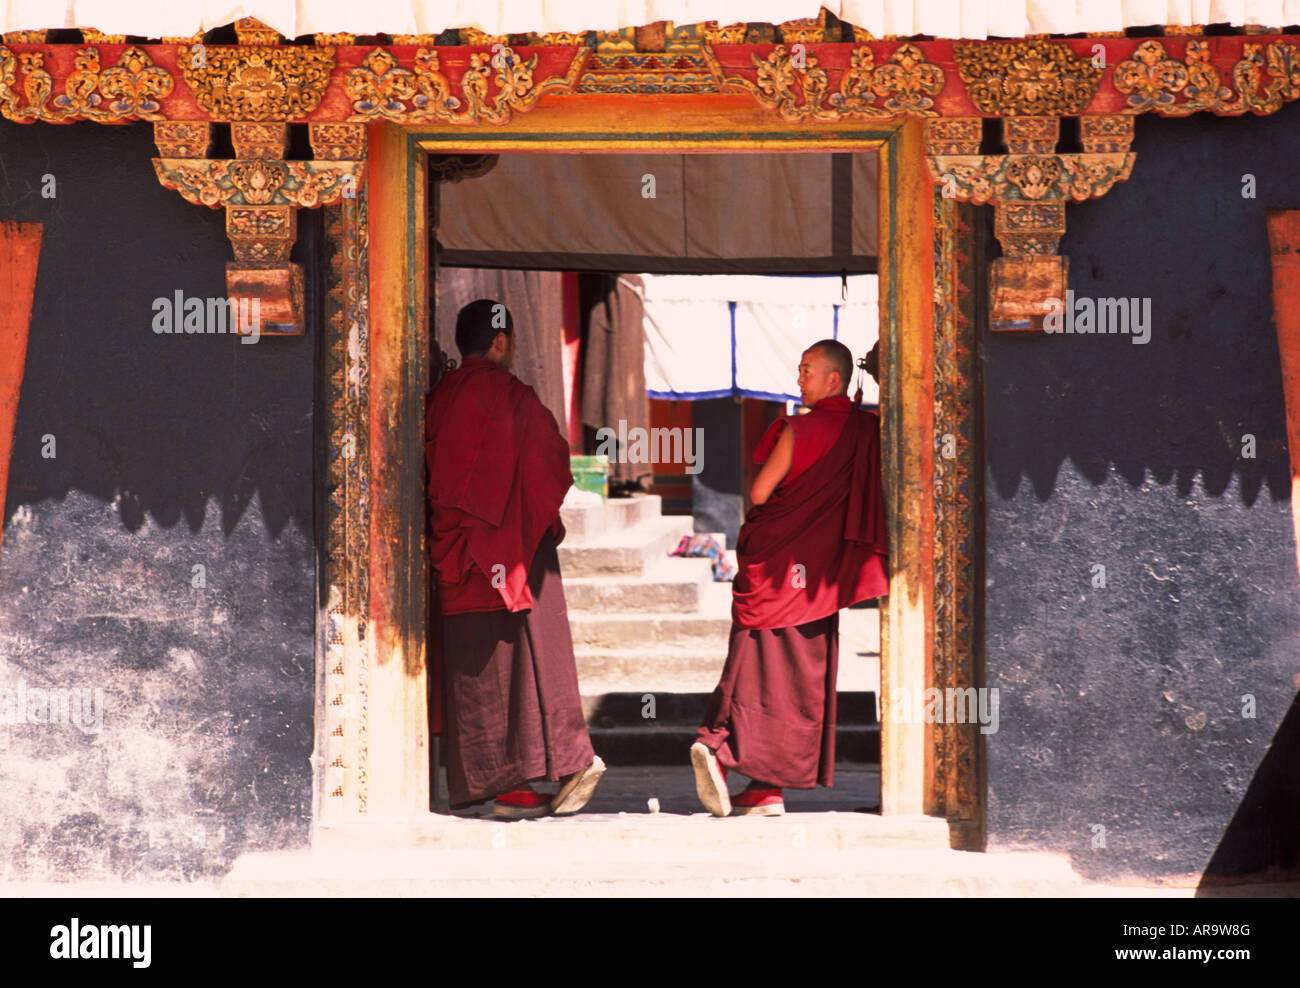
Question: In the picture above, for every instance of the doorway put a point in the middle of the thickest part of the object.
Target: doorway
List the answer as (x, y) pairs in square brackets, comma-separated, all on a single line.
[(395, 770)]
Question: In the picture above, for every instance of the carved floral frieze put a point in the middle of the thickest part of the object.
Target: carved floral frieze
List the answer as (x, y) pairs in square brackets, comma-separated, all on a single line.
[(1028, 78), (257, 84), (494, 86), (1154, 81), (132, 88), (797, 87)]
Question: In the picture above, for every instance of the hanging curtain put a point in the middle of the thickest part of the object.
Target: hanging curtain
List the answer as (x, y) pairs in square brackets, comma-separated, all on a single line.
[(613, 359), (536, 306)]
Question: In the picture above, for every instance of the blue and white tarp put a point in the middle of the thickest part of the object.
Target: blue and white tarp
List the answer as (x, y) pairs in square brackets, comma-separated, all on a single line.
[(709, 336)]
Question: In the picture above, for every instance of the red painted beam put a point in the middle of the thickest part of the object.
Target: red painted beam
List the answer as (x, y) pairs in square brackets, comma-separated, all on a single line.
[(20, 252)]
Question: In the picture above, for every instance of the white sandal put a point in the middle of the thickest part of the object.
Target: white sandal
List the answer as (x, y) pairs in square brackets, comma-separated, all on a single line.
[(573, 795), (709, 783)]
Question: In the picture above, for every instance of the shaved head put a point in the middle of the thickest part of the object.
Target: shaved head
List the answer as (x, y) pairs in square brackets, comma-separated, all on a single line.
[(838, 358)]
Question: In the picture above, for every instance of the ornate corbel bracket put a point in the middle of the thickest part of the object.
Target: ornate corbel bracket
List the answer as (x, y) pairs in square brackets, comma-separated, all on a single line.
[(1029, 189), (1031, 85), (258, 88), (261, 194)]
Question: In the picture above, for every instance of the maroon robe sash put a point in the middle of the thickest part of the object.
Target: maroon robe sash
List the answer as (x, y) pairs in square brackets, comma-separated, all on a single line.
[(819, 543)]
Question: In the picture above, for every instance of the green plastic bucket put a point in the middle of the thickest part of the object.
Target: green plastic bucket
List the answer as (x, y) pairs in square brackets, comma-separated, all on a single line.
[(591, 473)]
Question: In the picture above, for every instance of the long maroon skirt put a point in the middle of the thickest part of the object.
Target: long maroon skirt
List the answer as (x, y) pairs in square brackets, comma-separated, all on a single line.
[(772, 716), (513, 712)]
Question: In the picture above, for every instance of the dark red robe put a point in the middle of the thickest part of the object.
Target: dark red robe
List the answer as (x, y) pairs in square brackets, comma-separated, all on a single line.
[(513, 711), (816, 545), (501, 663), (498, 473)]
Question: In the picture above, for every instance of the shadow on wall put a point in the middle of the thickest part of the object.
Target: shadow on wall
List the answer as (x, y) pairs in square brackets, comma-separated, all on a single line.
[(1165, 464), (165, 422), (199, 636)]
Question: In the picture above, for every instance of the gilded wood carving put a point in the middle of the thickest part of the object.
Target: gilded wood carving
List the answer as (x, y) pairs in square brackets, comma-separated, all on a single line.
[(338, 141), (306, 184), (182, 138), (381, 88), (346, 663), (257, 83), (797, 87), (1153, 81), (957, 746), (1030, 177), (130, 89), (1030, 78)]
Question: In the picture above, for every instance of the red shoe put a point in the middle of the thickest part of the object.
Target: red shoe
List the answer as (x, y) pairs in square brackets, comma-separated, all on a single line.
[(521, 804), (758, 802)]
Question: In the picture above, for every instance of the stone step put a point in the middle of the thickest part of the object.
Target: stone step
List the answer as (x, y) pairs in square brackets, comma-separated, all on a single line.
[(707, 629), (694, 665), (627, 552), (673, 584), (585, 522), (855, 744), (620, 631), (639, 833), (640, 710), (669, 670), (797, 857)]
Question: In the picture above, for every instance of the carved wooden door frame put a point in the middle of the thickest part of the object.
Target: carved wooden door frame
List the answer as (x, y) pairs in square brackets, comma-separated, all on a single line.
[(373, 704)]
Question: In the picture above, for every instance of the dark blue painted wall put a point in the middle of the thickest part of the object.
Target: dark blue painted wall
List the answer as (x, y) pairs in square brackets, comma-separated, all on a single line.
[(1122, 707), (171, 452)]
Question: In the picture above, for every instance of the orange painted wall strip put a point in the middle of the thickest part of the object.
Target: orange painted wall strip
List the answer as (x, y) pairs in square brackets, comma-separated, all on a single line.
[(20, 252), (397, 766), (1284, 250), (907, 632)]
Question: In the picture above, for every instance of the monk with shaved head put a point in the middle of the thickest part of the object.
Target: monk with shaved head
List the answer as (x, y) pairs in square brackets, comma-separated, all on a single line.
[(813, 542)]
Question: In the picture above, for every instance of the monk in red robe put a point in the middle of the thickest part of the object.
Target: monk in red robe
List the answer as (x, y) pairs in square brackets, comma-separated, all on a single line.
[(813, 542), (498, 471)]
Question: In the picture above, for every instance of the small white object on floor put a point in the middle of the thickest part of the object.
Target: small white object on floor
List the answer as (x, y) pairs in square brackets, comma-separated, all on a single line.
[(653, 804)]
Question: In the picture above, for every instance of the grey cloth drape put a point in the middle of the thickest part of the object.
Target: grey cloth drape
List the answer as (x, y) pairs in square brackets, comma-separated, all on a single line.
[(613, 360), (536, 305), (666, 213)]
